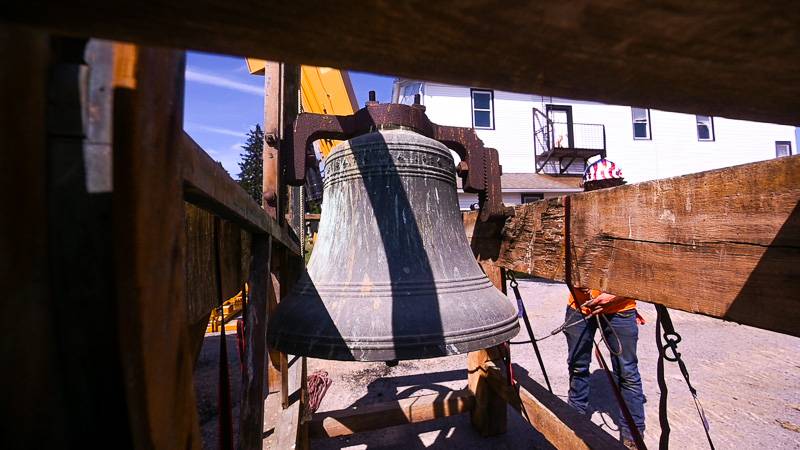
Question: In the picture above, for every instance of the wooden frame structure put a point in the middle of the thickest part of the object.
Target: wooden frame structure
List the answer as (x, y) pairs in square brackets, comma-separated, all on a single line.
[(97, 235)]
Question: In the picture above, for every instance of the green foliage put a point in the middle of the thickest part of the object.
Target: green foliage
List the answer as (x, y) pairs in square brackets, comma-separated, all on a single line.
[(252, 164)]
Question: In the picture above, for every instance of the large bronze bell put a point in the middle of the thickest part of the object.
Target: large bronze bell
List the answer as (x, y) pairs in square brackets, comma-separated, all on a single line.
[(392, 275)]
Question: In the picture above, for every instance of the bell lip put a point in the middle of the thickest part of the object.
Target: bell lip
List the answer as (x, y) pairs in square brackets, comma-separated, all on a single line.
[(453, 336), (391, 350)]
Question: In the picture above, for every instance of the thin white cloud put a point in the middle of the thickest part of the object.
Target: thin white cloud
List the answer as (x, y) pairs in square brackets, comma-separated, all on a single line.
[(216, 80), (210, 129)]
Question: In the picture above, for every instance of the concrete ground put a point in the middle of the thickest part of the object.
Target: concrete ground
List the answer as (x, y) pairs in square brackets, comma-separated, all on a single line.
[(747, 379)]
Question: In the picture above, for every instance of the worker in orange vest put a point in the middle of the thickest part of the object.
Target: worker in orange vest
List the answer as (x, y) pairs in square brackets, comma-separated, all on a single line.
[(618, 321)]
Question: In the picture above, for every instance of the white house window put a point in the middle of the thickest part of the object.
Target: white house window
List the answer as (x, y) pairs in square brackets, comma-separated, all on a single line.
[(705, 128), (482, 109), (641, 123), (529, 198), (407, 93), (783, 148)]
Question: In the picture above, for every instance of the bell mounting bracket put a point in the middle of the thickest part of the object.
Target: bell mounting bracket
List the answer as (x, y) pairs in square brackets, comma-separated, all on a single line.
[(479, 168)]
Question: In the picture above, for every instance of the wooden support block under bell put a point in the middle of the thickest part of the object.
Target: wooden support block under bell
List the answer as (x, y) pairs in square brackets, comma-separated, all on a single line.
[(375, 416), (489, 414), (558, 422)]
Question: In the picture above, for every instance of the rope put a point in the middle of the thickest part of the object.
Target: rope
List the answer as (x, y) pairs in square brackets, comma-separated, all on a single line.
[(318, 384), (524, 315), (672, 339)]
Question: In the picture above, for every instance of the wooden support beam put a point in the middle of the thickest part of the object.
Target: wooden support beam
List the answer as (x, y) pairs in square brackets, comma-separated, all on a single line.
[(344, 422), (489, 414), (723, 243), (290, 429), (31, 340), (710, 56), (558, 422), (273, 88), (149, 248), (209, 186), (251, 419)]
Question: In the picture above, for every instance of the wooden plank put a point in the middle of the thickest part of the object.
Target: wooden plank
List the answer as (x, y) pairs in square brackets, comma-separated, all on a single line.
[(253, 390), (289, 429), (209, 186), (713, 57), (80, 238), (149, 248), (489, 414), (273, 84), (558, 422), (24, 267), (723, 243), (375, 416)]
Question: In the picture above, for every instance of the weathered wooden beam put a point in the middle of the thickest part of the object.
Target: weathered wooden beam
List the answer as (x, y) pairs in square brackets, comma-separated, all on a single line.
[(290, 429), (251, 417), (209, 186), (149, 248), (489, 415), (712, 57), (344, 422), (31, 341), (558, 422), (723, 243), (273, 88)]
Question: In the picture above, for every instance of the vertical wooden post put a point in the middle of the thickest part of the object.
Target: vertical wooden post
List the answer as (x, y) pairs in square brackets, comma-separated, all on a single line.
[(490, 413), (273, 87), (150, 249), (251, 419), (32, 398)]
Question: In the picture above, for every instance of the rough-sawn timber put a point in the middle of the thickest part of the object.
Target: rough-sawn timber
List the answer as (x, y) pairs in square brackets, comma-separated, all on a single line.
[(724, 243)]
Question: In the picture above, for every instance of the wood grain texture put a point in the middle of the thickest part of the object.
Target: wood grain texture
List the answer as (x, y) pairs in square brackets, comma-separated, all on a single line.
[(33, 402), (489, 415), (558, 422), (738, 59), (208, 185), (375, 416), (150, 248), (723, 243), (273, 88), (251, 418)]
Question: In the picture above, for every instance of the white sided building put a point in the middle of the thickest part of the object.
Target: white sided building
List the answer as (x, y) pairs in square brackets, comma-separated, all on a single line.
[(545, 142)]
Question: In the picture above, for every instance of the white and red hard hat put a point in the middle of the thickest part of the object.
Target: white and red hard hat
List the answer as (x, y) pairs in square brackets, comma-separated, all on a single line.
[(602, 169)]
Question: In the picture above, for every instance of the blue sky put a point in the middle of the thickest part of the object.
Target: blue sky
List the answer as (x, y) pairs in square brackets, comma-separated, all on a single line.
[(223, 101)]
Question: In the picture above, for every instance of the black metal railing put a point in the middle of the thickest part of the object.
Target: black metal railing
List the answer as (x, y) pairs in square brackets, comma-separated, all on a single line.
[(563, 148)]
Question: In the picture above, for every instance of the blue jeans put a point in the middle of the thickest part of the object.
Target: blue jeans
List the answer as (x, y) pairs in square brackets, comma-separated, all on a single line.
[(625, 366)]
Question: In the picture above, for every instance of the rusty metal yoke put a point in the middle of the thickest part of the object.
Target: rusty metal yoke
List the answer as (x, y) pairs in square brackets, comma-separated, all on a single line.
[(479, 168)]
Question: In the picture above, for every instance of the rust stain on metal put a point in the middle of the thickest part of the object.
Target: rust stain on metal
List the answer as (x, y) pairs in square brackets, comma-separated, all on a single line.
[(479, 168)]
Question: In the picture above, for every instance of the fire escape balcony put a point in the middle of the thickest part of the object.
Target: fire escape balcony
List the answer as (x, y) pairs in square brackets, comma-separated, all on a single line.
[(564, 148)]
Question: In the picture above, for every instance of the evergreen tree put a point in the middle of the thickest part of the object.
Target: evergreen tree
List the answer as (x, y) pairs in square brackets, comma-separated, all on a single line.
[(252, 164)]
